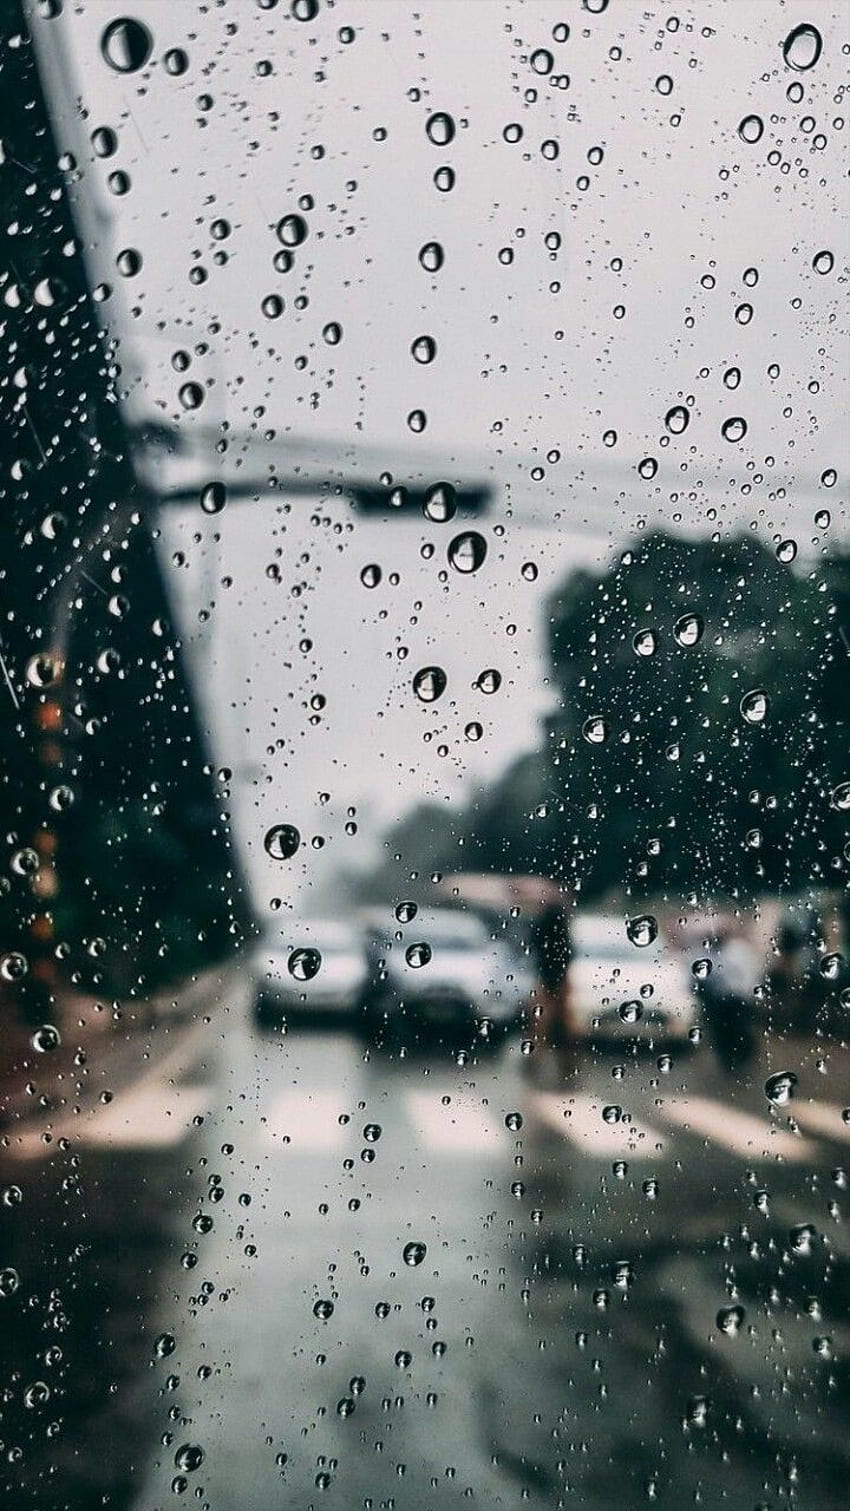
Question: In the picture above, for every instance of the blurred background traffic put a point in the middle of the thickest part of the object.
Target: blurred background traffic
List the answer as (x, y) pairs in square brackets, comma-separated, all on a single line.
[(424, 927)]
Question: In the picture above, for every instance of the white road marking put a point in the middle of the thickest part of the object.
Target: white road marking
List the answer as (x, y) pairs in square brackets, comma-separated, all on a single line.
[(462, 1127), (579, 1119), (148, 1117), (822, 1118), (307, 1122), (740, 1132)]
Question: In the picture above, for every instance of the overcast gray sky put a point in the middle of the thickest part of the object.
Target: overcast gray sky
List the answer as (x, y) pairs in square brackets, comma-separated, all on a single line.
[(661, 209)]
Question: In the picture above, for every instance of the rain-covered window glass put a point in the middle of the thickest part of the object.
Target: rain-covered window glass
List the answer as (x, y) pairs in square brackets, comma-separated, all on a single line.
[(425, 758)]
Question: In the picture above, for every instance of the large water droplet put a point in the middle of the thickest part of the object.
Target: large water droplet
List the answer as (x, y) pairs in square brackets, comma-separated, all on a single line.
[(432, 256), (840, 797), (730, 1320), (292, 230), (429, 683), (418, 954), (779, 1088), (677, 419), (596, 730), (802, 47), (46, 1039), (440, 503), (282, 841), (189, 1456), (304, 963), (823, 262), (688, 629), (647, 468), (542, 61), (489, 681), (513, 1121), (213, 498), (734, 429), (642, 930), (467, 551), (414, 1253), (786, 551), (371, 575), (405, 912), (755, 706), (751, 128), (126, 45), (191, 395), (645, 643), (424, 349), (440, 128)]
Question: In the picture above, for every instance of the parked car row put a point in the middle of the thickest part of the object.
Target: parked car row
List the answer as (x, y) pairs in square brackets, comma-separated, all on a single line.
[(444, 969)]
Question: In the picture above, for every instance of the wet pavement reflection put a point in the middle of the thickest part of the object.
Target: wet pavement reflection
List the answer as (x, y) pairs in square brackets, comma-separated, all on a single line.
[(285, 1269)]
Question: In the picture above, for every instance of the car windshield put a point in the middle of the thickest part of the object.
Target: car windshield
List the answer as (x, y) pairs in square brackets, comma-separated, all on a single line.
[(424, 755)]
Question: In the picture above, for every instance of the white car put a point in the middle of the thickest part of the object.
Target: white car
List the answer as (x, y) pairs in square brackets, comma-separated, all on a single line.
[(310, 968), (442, 969), (619, 990)]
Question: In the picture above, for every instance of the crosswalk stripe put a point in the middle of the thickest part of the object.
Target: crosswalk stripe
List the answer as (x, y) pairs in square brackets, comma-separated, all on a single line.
[(461, 1126), (823, 1118), (740, 1132), (579, 1119), (306, 1121)]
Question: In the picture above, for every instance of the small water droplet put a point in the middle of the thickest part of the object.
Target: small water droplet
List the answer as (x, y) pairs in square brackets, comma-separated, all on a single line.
[(440, 128)]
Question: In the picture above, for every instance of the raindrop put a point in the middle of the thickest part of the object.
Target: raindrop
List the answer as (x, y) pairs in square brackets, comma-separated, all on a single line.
[(779, 1088), (596, 730), (213, 498), (417, 420), (542, 61), (840, 797), (372, 1132), (128, 262), (176, 61), (440, 504), (613, 1113), (440, 128), (732, 377), (529, 571), (734, 429), (46, 1039), (829, 477), (414, 1253), (191, 395), (304, 963), (188, 1457), (292, 230), (282, 841), (417, 955), (823, 262), (305, 10), (429, 683), (755, 705), (823, 519), (642, 929), (444, 179), (424, 349), (42, 670), (513, 1121), (467, 551), (272, 306), (489, 681), (432, 256), (688, 630), (645, 643), (751, 128), (371, 575), (323, 1310), (104, 141), (405, 912), (677, 419), (743, 315), (164, 1345), (730, 1319), (802, 47), (126, 45), (473, 731), (332, 333), (13, 967), (786, 551), (648, 467)]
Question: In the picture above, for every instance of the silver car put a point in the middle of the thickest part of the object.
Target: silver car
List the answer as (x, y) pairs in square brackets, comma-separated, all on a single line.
[(442, 969), (618, 990), (312, 968)]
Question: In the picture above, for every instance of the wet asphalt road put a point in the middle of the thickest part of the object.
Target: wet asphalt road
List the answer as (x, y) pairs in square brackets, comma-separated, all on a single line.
[(219, 1254)]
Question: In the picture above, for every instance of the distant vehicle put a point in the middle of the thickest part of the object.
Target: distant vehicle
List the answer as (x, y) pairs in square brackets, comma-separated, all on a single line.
[(620, 991), (311, 968), (441, 970)]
